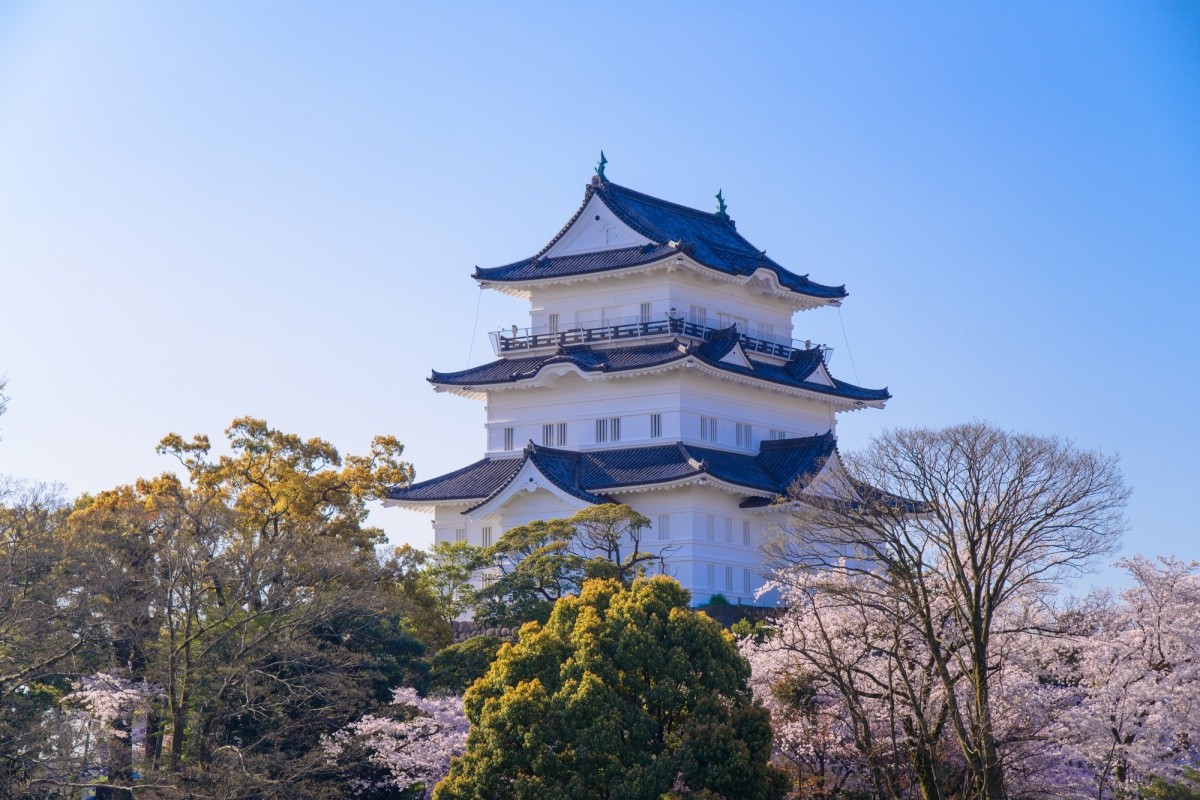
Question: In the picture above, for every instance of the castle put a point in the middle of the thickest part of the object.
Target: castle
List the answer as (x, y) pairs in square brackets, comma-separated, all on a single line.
[(658, 370)]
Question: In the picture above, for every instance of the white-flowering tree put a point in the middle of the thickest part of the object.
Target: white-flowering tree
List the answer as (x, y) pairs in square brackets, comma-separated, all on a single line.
[(955, 535), (408, 751), (1135, 669)]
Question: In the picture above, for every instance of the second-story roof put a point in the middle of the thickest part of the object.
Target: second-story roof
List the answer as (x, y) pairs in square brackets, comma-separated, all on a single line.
[(799, 372), (710, 239)]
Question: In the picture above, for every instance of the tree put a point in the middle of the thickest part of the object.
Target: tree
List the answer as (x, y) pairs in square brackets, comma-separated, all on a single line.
[(459, 665), (407, 750), (448, 573), (544, 560), (623, 693), (614, 531), (47, 634), (536, 564), (253, 595), (957, 533), (1134, 665)]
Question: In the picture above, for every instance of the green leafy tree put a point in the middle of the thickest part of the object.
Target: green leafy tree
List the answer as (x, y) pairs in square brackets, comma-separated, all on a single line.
[(448, 574), (1186, 789), (251, 594), (623, 693), (458, 666), (540, 562), (614, 533), (537, 565)]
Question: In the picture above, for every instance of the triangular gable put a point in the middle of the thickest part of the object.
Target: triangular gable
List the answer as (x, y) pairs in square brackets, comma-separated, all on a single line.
[(595, 228), (527, 479), (737, 357), (820, 375)]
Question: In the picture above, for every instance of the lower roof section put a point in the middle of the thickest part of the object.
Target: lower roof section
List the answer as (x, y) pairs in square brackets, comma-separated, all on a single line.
[(590, 476)]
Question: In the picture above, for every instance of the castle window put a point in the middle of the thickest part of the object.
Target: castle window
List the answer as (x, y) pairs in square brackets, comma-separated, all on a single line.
[(746, 581), (562, 434), (508, 438), (548, 435), (711, 576), (664, 527), (708, 429), (486, 536), (552, 324), (460, 534), (746, 532), (729, 530), (709, 526), (656, 426), (601, 431), (645, 314), (729, 578), (743, 435), (614, 427), (698, 315)]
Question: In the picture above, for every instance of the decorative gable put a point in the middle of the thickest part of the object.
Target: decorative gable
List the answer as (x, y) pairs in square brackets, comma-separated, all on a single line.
[(737, 357), (529, 479), (596, 228), (820, 375)]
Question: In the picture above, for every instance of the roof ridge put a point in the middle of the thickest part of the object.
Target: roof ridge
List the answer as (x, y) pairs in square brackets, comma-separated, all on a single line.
[(708, 215)]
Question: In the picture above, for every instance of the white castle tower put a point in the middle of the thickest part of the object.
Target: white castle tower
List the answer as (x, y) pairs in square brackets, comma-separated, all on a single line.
[(658, 370)]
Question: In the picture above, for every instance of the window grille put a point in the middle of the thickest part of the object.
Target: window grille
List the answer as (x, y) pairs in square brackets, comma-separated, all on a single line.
[(508, 438), (552, 323), (460, 534), (729, 578), (709, 524), (664, 527), (711, 576), (601, 430), (729, 530), (743, 433), (746, 532), (486, 536), (614, 426), (656, 426), (645, 313), (562, 434), (548, 435)]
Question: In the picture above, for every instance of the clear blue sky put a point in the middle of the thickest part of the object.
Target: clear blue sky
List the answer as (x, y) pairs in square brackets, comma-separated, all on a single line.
[(216, 209)]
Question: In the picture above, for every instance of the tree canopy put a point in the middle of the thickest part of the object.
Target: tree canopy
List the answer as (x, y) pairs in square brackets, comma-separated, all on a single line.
[(623, 693), (931, 547)]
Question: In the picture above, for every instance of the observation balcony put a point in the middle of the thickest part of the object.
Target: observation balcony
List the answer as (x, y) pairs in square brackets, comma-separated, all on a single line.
[(518, 341)]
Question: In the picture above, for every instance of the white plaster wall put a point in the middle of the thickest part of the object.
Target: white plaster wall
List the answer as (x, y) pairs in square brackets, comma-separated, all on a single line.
[(682, 396)]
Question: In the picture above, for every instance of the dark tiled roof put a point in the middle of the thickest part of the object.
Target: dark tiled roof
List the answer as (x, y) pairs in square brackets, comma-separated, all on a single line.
[(794, 373), (588, 474), (477, 480), (709, 238)]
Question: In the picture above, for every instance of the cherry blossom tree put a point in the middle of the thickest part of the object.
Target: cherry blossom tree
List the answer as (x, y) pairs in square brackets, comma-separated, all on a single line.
[(407, 752), (956, 532), (1135, 668)]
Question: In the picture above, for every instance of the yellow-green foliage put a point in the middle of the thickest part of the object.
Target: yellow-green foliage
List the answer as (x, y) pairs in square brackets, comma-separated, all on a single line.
[(623, 693)]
